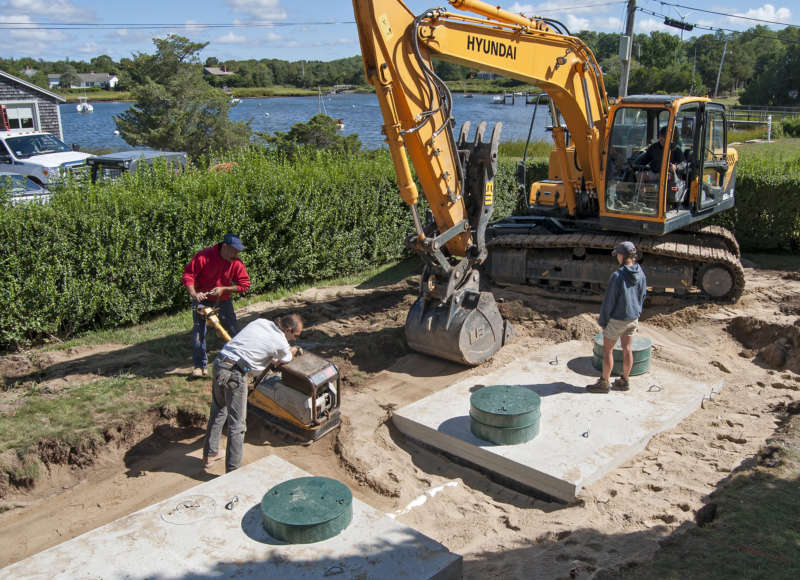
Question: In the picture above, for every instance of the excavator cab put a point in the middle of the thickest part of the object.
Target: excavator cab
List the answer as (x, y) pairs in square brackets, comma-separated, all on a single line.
[(668, 162)]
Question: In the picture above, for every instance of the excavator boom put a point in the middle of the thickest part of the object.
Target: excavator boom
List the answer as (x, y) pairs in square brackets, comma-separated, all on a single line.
[(452, 318)]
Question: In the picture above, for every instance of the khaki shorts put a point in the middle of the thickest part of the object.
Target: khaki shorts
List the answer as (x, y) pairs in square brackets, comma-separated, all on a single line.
[(616, 328)]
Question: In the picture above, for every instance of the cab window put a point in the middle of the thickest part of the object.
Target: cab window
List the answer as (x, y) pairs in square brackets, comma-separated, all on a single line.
[(634, 160)]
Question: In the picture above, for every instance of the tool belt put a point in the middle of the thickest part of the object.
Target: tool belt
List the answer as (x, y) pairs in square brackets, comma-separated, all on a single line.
[(230, 363)]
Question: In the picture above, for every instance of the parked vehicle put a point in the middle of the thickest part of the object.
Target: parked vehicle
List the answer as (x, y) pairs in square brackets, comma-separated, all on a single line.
[(16, 188), (113, 165), (41, 156)]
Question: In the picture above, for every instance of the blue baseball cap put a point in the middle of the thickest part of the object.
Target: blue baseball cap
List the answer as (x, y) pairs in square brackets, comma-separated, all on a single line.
[(233, 241), (624, 248)]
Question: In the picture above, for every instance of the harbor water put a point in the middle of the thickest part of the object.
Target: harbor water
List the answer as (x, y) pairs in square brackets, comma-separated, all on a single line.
[(360, 114)]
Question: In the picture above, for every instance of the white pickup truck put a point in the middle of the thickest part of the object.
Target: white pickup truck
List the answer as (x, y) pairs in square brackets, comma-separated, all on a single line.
[(41, 156)]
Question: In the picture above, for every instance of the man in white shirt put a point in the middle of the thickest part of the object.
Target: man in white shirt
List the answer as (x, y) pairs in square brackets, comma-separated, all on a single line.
[(258, 345)]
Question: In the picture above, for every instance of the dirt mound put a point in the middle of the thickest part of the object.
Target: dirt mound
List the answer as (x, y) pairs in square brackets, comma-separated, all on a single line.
[(679, 318), (557, 321), (581, 327), (23, 470), (790, 306), (777, 345)]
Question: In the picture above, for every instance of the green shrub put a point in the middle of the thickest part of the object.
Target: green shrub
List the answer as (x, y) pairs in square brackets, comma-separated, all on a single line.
[(791, 127), (767, 211), (517, 149)]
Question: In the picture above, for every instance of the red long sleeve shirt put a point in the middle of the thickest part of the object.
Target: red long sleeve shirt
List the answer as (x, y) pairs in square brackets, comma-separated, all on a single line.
[(208, 269)]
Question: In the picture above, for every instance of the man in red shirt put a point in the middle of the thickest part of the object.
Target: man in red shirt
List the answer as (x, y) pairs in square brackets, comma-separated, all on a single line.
[(211, 277)]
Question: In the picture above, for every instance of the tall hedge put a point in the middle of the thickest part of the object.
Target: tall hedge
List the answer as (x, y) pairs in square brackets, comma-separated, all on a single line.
[(110, 255), (767, 212)]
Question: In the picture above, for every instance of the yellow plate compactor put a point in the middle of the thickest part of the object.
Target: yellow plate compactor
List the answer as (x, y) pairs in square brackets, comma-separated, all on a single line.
[(301, 400)]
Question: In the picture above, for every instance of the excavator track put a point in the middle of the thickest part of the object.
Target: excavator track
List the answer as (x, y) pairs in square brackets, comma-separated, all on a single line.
[(718, 233), (700, 266)]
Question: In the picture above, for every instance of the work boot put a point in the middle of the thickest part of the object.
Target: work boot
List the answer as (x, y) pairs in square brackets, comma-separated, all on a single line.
[(198, 373), (208, 460), (601, 386), (622, 384)]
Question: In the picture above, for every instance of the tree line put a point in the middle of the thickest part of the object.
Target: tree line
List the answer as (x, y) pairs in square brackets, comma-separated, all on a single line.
[(761, 66), (265, 72)]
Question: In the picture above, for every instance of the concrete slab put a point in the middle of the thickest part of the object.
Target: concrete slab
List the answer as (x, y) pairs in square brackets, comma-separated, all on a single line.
[(582, 435), (192, 535)]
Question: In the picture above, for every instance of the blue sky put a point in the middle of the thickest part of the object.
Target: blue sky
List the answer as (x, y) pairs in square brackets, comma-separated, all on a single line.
[(296, 29)]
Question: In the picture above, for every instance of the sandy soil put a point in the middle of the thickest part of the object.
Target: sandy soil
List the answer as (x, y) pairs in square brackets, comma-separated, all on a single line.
[(753, 346)]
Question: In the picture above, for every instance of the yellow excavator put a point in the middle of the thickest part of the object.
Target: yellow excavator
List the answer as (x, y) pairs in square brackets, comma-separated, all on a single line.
[(646, 168)]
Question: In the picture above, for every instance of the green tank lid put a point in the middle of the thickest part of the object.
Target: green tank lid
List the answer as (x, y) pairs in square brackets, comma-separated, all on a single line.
[(505, 406), (642, 349), (505, 414), (307, 509)]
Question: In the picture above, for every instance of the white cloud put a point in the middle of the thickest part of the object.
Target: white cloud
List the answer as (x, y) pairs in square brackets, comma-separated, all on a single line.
[(609, 23), (592, 17), (551, 9), (25, 41), (273, 37), (232, 38), (91, 48), (574, 24), (53, 9), (766, 12), (26, 35), (648, 25), (260, 10), (193, 26), (335, 42)]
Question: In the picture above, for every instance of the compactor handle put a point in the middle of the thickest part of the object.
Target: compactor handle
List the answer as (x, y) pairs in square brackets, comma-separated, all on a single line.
[(210, 314)]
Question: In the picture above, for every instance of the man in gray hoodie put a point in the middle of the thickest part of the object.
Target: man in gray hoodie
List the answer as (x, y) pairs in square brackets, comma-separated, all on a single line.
[(619, 316)]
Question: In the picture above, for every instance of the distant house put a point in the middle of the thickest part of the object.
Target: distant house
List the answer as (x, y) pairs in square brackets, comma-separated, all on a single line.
[(486, 75), (216, 71), (97, 80), (87, 81), (29, 107)]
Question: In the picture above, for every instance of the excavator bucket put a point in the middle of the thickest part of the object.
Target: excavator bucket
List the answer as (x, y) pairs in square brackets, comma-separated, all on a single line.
[(468, 330), (466, 326)]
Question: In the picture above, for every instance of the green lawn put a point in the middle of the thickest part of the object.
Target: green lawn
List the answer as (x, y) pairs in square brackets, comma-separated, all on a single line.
[(780, 146), (81, 412)]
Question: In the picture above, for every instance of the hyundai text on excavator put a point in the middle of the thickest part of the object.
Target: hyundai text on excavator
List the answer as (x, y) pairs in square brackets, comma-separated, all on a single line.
[(597, 194)]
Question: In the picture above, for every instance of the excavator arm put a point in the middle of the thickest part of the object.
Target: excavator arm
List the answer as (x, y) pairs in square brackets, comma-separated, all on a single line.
[(452, 318)]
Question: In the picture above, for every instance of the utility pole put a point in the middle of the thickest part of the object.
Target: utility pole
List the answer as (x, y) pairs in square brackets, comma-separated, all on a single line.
[(719, 71), (625, 43)]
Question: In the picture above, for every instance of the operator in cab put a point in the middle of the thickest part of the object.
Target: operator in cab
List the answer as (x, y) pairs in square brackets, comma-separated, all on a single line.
[(654, 156)]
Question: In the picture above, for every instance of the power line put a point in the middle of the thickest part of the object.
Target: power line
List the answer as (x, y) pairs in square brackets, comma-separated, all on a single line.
[(131, 26), (717, 28), (270, 24), (581, 6), (728, 15)]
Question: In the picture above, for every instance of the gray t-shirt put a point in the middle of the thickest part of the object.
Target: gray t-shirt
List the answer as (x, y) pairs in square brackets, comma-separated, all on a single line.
[(259, 344)]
